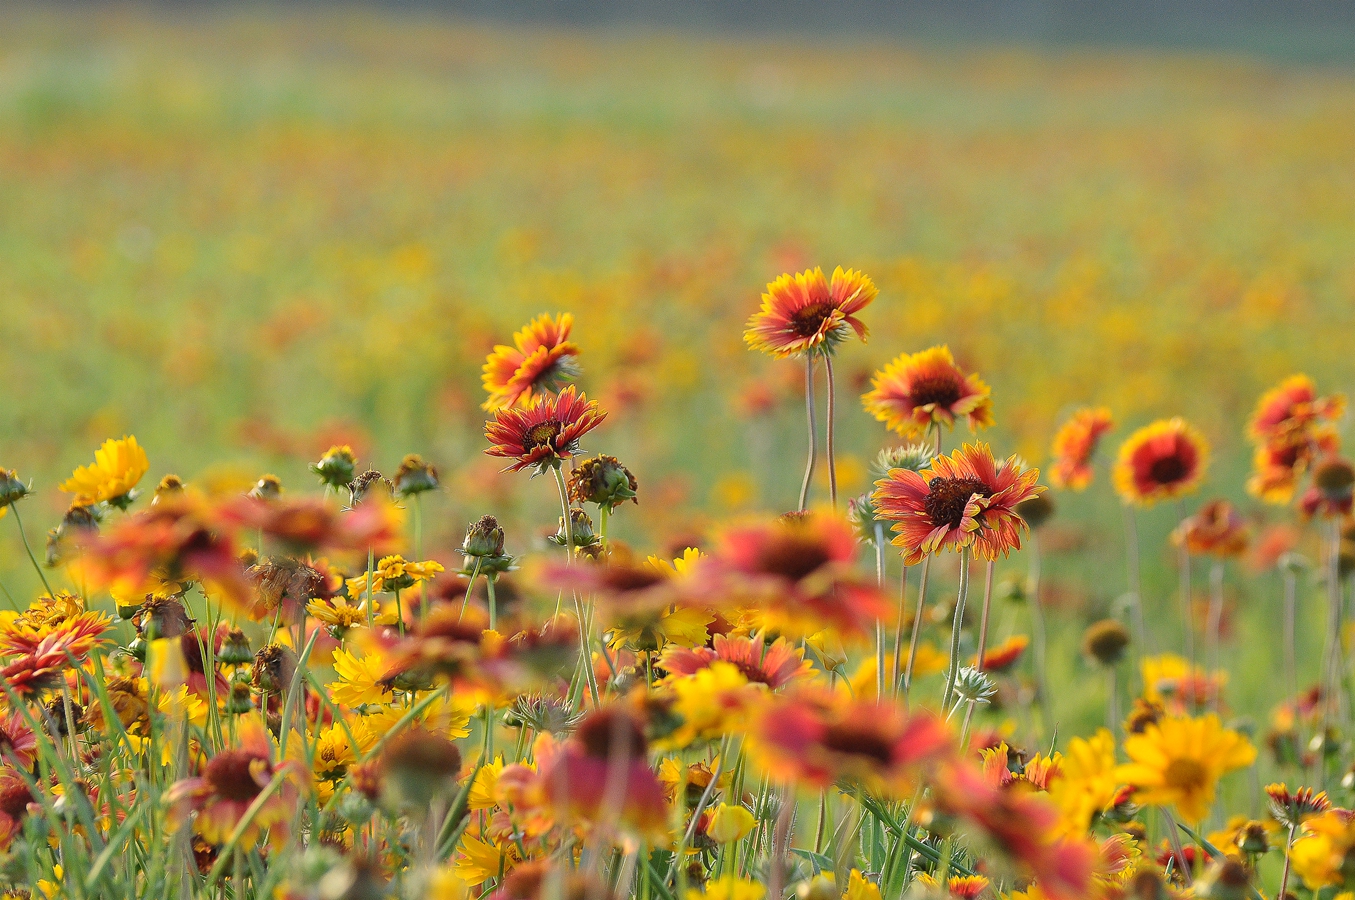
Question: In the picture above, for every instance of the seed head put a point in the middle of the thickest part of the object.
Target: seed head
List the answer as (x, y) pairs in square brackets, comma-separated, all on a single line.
[(414, 476)]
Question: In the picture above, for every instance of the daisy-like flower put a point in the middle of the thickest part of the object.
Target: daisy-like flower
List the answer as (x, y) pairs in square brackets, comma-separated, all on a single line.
[(118, 466), (1161, 461), (797, 572), (776, 664), (1279, 466), (1075, 444), (1179, 761), (18, 744), (817, 738), (1217, 529), (1001, 658), (540, 360), (1086, 786), (602, 776), (1290, 409), (341, 616), (544, 434), (807, 313), (1319, 855), (230, 783), (1292, 807), (920, 390), (966, 499), (1170, 679)]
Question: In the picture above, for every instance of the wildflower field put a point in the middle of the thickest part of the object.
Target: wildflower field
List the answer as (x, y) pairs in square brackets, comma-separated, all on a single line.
[(445, 461)]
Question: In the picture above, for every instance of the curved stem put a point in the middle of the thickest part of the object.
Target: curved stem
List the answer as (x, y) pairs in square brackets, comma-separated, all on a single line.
[(954, 665), (828, 443), (813, 446), (564, 510), (897, 677), (31, 558), (1284, 878), (917, 627)]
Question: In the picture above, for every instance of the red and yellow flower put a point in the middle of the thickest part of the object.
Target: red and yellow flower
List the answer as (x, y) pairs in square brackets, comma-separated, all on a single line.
[(963, 500), (1074, 445), (1217, 529), (1161, 461), (544, 434), (541, 358), (920, 390), (807, 313)]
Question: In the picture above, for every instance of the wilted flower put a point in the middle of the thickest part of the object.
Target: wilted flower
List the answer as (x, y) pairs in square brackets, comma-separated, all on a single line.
[(604, 481), (12, 490)]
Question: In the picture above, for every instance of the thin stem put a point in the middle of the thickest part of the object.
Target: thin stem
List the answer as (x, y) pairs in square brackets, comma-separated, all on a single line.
[(828, 444), (898, 632), (564, 510), (1215, 623), (31, 558), (1037, 626), (1331, 683), (493, 604), (983, 618), (879, 623), (418, 552), (961, 596), (813, 438), (1187, 614), (1112, 701), (1291, 678), (1174, 837), (1284, 878), (917, 627), (1131, 541)]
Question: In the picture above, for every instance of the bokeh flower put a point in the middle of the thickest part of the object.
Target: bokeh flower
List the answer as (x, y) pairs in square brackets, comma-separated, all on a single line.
[(541, 359), (1161, 461)]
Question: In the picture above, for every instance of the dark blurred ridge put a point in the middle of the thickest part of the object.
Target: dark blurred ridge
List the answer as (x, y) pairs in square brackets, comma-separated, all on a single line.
[(1319, 31)]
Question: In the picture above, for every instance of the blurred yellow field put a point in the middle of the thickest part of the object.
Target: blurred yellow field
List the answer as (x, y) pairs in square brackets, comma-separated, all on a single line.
[(248, 237)]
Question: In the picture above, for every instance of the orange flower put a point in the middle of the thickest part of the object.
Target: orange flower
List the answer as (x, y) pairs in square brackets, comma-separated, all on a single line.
[(1216, 529), (541, 359), (602, 776), (229, 785), (1005, 655), (797, 571), (807, 313), (1074, 445), (311, 524), (919, 390), (1277, 466), (776, 664), (962, 500), (545, 433), (815, 738), (1286, 413), (1161, 461)]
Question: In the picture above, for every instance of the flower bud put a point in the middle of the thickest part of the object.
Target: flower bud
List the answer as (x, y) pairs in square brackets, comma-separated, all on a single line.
[(861, 513), (337, 467), (12, 489), (268, 487), (913, 457), (1335, 478), (483, 538), (1036, 511), (235, 649), (1105, 641), (414, 476), (604, 481), (240, 700), (585, 538), (274, 666)]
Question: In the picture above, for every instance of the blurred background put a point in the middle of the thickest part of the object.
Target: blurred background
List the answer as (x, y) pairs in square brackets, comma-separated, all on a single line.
[(243, 233)]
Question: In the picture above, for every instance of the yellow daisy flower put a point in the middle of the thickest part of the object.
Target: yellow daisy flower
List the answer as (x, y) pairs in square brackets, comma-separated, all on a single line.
[(1179, 761), (118, 466)]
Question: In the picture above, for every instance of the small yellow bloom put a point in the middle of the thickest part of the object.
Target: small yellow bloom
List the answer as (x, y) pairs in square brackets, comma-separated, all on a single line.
[(860, 888), (729, 888), (118, 466), (359, 679), (729, 822), (478, 861)]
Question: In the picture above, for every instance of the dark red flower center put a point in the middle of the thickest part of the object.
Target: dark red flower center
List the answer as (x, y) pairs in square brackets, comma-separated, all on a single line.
[(14, 799), (1167, 469), (948, 497), (943, 390), (859, 741), (809, 321), (793, 557), (607, 733), (230, 776), (542, 435)]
